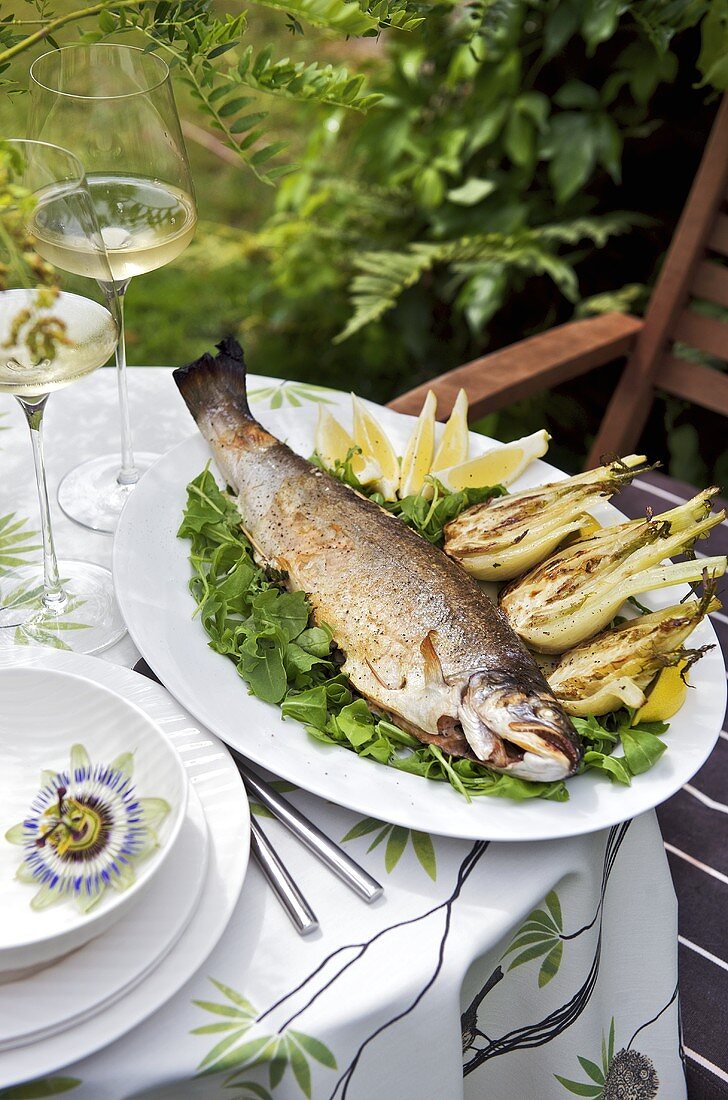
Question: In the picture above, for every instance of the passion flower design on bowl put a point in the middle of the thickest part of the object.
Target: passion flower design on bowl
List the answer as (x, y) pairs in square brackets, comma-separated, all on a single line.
[(85, 831)]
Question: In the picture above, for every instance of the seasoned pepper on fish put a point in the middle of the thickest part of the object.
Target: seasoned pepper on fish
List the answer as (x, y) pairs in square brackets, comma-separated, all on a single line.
[(421, 641)]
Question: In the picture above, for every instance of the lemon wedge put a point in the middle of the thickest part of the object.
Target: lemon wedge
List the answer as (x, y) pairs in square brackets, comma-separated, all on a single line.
[(500, 466), (454, 445), (370, 436), (417, 459), (588, 527), (332, 444), (665, 698)]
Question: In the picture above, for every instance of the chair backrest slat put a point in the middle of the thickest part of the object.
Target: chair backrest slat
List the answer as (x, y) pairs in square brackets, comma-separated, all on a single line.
[(718, 241), (711, 283), (686, 274), (693, 382), (707, 334)]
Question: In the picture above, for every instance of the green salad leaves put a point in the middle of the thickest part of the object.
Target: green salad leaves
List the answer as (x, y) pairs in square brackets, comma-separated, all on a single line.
[(284, 659)]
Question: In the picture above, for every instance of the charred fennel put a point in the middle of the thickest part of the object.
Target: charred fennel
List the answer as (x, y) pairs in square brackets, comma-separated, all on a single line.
[(577, 592), (615, 668), (501, 539)]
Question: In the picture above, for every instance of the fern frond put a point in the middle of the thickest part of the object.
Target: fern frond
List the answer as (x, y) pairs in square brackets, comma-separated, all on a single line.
[(597, 230), (384, 276)]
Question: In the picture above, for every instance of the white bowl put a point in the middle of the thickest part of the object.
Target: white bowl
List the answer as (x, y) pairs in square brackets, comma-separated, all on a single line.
[(42, 714)]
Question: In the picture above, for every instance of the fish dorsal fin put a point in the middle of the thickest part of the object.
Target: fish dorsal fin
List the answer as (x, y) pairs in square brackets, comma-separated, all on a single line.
[(433, 667)]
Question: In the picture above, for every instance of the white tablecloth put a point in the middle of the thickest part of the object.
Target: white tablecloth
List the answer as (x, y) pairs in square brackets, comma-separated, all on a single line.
[(421, 996)]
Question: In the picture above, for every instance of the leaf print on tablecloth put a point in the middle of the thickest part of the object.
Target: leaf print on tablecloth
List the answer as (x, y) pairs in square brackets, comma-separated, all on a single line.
[(282, 786), (15, 542), (626, 1075), (540, 935), (397, 838), (43, 1086), (292, 393), (43, 628), (237, 1052)]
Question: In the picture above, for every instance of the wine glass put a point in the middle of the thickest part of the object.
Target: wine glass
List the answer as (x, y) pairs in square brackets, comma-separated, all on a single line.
[(50, 336), (113, 106)]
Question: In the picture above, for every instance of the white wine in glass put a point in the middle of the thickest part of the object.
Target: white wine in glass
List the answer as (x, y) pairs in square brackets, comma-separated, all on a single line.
[(49, 338), (113, 106), (82, 333)]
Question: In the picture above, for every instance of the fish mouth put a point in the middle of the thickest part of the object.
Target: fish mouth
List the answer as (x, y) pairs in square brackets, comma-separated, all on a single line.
[(523, 733)]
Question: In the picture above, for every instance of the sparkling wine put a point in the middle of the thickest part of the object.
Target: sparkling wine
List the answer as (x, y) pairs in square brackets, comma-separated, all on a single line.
[(47, 345), (145, 224)]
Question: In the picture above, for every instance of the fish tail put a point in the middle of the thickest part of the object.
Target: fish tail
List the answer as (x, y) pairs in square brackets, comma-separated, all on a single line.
[(216, 384)]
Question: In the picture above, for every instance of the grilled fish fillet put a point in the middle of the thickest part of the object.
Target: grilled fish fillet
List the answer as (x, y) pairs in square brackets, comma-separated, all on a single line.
[(421, 640)]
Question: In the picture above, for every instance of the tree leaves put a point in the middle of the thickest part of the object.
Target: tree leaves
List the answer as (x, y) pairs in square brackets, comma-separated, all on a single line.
[(204, 49)]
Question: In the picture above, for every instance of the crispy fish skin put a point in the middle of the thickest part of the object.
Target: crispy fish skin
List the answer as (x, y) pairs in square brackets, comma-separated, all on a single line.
[(422, 641)]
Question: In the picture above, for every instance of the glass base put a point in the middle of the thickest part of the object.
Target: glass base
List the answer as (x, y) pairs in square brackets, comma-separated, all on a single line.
[(90, 620), (91, 495)]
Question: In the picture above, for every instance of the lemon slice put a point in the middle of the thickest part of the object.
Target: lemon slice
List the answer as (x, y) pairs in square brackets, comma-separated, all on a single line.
[(332, 444), (370, 436), (418, 456), (500, 466), (665, 698), (454, 445)]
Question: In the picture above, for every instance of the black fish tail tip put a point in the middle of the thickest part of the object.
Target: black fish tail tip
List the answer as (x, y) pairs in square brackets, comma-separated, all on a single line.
[(212, 379)]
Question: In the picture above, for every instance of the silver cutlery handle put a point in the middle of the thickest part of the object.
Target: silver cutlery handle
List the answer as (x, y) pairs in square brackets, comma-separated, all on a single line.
[(330, 854), (299, 911)]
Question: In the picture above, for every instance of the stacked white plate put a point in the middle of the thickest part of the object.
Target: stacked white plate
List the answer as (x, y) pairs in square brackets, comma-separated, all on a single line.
[(71, 982)]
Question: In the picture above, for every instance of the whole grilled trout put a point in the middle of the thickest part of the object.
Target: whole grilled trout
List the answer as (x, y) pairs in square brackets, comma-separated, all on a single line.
[(421, 640)]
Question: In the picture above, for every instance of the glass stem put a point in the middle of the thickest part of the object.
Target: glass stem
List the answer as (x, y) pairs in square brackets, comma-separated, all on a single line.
[(54, 596), (128, 474)]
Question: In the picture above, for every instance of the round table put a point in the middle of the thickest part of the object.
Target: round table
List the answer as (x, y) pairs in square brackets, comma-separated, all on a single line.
[(513, 972)]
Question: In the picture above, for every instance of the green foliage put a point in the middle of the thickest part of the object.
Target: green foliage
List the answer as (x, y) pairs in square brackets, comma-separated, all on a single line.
[(208, 52), (641, 745), (483, 198)]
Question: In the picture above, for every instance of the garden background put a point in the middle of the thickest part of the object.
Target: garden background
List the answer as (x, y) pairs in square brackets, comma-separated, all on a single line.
[(527, 162)]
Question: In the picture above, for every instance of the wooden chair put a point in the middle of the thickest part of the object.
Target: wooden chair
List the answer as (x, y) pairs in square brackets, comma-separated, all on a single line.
[(694, 822), (694, 269)]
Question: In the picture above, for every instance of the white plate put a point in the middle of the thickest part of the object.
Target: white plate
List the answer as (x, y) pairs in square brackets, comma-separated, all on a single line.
[(152, 572), (216, 781), (112, 964), (42, 715)]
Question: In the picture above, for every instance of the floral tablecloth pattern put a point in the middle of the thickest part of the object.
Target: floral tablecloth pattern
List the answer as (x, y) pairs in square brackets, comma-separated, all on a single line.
[(512, 972)]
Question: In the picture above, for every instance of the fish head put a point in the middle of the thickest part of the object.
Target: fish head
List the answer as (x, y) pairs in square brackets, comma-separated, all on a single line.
[(522, 731)]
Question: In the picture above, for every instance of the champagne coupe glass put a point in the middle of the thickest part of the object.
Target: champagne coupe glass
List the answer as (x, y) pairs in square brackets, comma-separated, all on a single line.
[(50, 336), (113, 106)]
